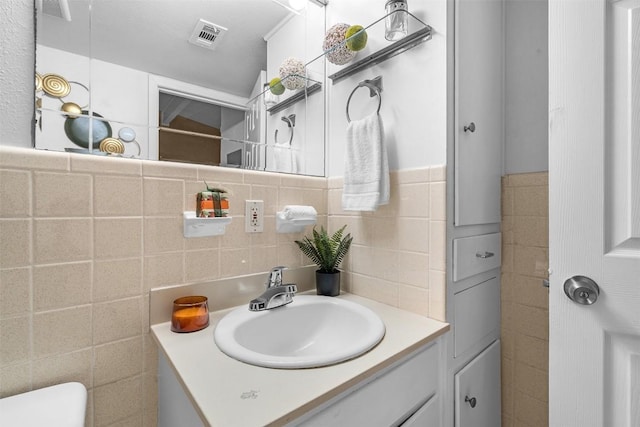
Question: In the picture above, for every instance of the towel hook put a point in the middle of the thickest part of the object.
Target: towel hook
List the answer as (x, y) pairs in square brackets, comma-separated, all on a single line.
[(375, 87)]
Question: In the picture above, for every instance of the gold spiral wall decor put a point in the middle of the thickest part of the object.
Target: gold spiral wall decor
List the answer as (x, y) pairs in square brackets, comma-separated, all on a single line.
[(38, 82), (77, 123), (112, 146), (55, 85)]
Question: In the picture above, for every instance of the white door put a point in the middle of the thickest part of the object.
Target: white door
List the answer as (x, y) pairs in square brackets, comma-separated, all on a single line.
[(594, 178)]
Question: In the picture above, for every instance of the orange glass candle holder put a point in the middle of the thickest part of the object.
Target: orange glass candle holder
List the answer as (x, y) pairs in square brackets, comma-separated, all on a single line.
[(190, 314)]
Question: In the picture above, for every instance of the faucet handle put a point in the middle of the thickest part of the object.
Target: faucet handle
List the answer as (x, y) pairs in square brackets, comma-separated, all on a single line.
[(275, 276)]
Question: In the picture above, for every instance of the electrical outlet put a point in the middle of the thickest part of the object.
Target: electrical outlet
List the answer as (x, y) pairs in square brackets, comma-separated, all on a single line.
[(254, 216)]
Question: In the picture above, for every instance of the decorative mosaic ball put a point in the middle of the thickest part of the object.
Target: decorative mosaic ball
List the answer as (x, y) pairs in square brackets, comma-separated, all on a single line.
[(292, 74), (339, 55)]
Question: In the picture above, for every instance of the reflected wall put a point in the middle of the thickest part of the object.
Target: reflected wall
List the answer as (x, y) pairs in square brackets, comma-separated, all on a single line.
[(100, 76)]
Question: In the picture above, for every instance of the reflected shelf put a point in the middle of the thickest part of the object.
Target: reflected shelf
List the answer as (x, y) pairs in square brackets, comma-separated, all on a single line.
[(305, 86), (301, 94), (207, 136)]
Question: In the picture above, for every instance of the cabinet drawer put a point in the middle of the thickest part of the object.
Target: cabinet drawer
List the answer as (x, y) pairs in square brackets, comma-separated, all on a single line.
[(479, 380), (388, 399), (476, 254), (476, 314)]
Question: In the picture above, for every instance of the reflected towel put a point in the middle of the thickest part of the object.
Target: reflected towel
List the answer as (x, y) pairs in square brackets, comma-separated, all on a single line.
[(284, 158), (366, 167)]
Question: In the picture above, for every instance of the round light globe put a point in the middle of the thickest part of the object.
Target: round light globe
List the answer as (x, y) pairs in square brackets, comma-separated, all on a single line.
[(298, 4)]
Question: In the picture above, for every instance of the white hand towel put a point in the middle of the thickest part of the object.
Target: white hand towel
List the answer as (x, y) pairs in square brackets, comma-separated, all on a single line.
[(366, 166)]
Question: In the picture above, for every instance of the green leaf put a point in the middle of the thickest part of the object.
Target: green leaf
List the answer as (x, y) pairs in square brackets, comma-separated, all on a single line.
[(327, 252)]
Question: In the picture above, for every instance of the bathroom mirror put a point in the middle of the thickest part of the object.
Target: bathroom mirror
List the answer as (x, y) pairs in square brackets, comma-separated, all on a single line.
[(182, 80)]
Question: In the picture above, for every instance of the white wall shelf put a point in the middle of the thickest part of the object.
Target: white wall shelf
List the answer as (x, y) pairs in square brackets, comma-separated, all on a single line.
[(204, 227)]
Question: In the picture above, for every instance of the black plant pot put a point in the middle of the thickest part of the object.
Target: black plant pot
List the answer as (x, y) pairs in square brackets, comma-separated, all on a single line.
[(328, 284)]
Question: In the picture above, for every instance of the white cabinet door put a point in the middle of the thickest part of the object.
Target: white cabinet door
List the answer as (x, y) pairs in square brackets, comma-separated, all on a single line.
[(479, 81), (427, 416), (477, 385), (476, 315), (388, 399)]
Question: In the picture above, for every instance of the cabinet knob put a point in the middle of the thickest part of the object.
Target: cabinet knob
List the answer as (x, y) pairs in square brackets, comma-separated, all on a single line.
[(471, 127), (471, 401)]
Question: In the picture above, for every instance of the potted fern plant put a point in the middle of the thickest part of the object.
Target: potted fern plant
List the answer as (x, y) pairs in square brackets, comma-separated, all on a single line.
[(327, 252)]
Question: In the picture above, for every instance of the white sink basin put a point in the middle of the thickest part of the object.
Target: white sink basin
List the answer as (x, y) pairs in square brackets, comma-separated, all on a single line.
[(310, 332)]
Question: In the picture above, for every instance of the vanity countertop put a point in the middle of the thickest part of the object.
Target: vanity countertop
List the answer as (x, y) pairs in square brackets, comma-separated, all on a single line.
[(227, 392)]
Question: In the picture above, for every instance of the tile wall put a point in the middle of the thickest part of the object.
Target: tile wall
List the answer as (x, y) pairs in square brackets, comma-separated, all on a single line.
[(525, 302), (83, 239), (398, 252)]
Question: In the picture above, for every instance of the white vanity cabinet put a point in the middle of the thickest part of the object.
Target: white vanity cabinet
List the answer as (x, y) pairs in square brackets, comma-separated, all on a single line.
[(406, 393), (398, 381)]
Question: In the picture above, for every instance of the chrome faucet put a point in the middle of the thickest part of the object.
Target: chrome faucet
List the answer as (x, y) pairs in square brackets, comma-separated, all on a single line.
[(276, 294)]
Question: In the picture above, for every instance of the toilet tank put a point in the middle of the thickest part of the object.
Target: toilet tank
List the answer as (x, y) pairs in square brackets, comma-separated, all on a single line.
[(61, 405)]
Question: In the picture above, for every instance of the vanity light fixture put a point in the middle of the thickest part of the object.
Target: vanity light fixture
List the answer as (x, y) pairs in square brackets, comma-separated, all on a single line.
[(298, 4), (293, 6)]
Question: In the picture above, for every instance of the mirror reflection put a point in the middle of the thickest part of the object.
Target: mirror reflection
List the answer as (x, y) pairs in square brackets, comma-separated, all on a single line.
[(195, 81)]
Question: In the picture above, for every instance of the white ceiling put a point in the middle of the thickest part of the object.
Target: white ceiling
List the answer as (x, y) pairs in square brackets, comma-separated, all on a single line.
[(152, 36)]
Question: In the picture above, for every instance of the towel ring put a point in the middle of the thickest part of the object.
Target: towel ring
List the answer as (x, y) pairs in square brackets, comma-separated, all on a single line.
[(291, 124), (375, 87), (275, 137)]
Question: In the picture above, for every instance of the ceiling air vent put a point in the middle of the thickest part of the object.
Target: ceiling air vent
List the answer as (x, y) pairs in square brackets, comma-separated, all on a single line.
[(207, 34)]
